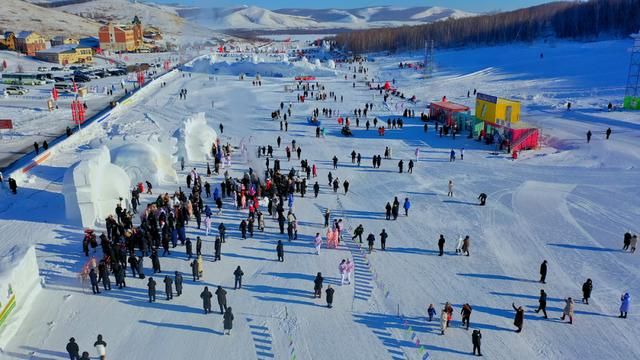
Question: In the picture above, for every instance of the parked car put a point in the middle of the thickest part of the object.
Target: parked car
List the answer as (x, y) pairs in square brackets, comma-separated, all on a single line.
[(80, 78), (16, 90), (64, 87), (117, 72), (56, 68), (42, 69), (85, 74), (100, 73)]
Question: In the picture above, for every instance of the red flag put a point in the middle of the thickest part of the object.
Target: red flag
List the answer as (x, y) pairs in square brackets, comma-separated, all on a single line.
[(75, 87), (54, 94)]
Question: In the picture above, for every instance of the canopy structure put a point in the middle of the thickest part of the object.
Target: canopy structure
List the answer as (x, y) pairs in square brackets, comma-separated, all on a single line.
[(443, 111)]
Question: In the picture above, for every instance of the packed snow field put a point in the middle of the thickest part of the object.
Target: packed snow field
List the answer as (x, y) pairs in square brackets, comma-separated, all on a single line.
[(568, 203)]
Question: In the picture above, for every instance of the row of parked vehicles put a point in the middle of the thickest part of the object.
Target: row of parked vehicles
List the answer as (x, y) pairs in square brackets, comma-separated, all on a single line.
[(62, 82)]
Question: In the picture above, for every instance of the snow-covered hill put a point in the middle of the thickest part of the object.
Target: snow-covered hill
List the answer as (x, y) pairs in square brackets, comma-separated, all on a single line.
[(17, 15), (163, 17), (252, 17)]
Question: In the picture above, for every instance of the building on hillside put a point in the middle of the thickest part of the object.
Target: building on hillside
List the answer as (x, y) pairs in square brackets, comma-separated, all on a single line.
[(8, 40), (66, 54), (497, 110), (152, 33), (63, 40), (121, 38), (91, 42), (30, 42)]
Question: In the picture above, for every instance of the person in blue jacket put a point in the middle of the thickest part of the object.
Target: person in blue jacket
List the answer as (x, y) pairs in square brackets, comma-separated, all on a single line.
[(407, 206)]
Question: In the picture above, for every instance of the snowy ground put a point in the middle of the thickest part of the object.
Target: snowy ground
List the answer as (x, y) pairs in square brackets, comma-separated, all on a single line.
[(569, 203)]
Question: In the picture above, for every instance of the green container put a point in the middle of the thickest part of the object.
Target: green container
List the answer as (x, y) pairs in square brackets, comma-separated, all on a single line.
[(632, 103)]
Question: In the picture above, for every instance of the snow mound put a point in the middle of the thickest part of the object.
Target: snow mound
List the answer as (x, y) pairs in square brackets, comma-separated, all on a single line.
[(279, 68), (92, 188), (195, 139), (145, 162), (19, 286)]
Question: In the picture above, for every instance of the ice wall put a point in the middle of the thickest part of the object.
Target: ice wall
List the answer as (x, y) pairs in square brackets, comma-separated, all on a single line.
[(19, 286), (145, 162), (271, 68), (92, 188)]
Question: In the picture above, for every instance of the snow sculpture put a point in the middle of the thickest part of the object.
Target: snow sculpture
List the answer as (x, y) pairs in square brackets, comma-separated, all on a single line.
[(92, 188), (145, 162), (196, 138), (19, 286)]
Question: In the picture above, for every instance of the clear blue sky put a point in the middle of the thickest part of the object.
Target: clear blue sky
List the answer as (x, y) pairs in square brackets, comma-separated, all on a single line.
[(468, 5)]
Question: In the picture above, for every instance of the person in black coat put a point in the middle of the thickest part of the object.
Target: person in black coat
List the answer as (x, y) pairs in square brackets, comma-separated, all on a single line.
[(178, 281), (243, 228), (217, 246), (222, 230), (155, 262), (383, 239), (140, 264), (93, 277), (542, 303), (194, 270), (221, 294), (280, 251), (189, 249), (388, 211), (151, 286), (206, 296), (317, 286), (441, 242), (587, 287), (518, 320), (483, 199), (133, 261), (120, 276), (371, 239), (475, 339), (316, 189), (168, 287), (238, 273), (228, 321), (329, 293), (543, 272), (73, 349)]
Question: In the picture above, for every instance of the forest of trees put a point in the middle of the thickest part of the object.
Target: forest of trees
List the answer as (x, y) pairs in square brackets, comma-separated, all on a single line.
[(566, 20)]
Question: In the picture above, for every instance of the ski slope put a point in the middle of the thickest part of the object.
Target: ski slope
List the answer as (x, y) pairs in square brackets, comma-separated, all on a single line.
[(568, 203)]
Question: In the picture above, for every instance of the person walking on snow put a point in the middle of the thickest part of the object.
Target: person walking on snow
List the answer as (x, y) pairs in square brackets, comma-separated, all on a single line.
[(317, 286), (206, 296), (466, 314), (518, 320), (349, 269), (73, 349), (431, 312), (542, 303), (342, 268), (625, 303), (168, 287), (459, 245), (568, 310), (370, 241), (466, 244), (317, 242), (221, 295), (476, 339), (151, 287), (406, 206), (450, 186), (543, 272), (444, 316), (329, 296), (587, 287), (383, 240), (237, 274), (417, 152), (441, 242), (101, 347), (228, 321)]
